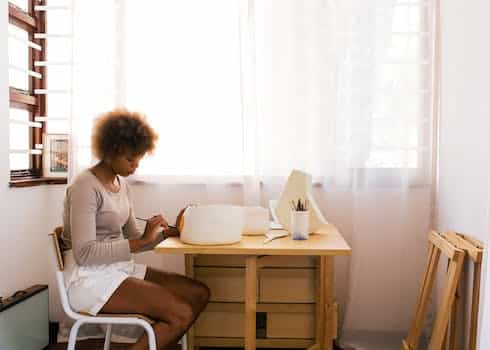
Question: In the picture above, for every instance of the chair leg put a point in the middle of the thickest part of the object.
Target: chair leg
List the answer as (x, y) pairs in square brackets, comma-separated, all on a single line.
[(184, 342), (73, 335), (108, 335), (152, 342)]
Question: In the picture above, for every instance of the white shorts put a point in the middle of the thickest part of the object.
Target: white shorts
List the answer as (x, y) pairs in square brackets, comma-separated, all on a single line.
[(90, 287)]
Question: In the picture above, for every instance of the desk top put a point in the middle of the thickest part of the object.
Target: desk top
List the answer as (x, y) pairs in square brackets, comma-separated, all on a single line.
[(327, 241)]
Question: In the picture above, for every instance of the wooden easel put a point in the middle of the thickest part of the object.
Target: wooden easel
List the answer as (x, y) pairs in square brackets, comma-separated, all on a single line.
[(474, 250), (438, 244)]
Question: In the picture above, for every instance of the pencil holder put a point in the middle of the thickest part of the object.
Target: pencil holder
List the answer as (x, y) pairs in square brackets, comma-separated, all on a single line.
[(299, 224)]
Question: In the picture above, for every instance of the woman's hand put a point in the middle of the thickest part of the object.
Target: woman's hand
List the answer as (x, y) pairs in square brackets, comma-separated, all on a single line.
[(171, 232), (153, 228)]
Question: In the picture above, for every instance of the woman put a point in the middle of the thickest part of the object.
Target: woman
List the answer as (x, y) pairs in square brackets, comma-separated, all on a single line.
[(100, 229)]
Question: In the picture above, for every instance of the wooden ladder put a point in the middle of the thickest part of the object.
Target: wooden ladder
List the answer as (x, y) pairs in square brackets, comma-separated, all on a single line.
[(474, 251), (438, 243)]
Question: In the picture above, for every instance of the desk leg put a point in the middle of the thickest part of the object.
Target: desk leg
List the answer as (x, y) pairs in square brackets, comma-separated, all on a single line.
[(250, 302), (189, 272), (320, 308), (330, 313)]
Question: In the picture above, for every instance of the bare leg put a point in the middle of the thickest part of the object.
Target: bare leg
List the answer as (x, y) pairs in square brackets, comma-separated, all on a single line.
[(194, 292), (172, 313)]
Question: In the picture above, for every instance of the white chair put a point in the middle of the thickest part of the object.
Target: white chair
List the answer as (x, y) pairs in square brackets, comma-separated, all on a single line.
[(109, 320)]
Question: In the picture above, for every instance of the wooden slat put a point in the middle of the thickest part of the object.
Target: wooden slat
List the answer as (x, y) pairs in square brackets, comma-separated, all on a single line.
[(29, 182), (189, 272), (21, 18), (39, 8), (288, 261), (286, 308), (261, 343), (330, 324), (473, 241), (444, 309), (453, 324), (268, 307), (264, 261), (18, 97), (332, 319), (475, 301), (59, 257), (405, 345), (445, 246), (250, 302), (473, 251), (423, 298), (23, 106), (320, 309)]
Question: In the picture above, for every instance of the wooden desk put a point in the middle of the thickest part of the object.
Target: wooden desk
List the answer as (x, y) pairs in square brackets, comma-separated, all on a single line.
[(326, 244)]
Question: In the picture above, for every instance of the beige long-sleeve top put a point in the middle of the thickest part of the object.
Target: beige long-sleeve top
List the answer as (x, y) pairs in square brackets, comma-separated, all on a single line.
[(97, 222)]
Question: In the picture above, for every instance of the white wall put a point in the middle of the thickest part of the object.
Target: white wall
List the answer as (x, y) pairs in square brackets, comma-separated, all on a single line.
[(463, 198)]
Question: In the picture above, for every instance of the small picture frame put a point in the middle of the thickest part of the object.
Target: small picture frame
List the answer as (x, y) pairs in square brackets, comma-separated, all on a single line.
[(56, 155)]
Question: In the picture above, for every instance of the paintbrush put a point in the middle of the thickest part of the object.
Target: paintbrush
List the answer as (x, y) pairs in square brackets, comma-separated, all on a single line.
[(146, 220)]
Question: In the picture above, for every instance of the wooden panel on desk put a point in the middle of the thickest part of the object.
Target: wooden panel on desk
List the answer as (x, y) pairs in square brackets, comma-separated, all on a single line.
[(220, 260), (261, 343), (226, 324), (291, 325), (287, 285), (226, 284), (267, 261), (288, 261)]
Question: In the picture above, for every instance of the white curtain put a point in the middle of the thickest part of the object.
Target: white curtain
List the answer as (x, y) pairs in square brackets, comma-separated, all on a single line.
[(243, 91)]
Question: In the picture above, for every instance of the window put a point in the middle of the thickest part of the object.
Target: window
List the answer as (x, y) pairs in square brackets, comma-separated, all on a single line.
[(236, 89), (401, 136), (27, 36), (191, 68), (383, 93)]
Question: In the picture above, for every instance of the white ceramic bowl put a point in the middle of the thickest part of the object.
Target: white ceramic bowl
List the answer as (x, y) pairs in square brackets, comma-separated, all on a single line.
[(212, 225), (256, 221)]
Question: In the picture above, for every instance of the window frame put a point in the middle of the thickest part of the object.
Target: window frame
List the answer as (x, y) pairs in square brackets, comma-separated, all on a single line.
[(32, 22)]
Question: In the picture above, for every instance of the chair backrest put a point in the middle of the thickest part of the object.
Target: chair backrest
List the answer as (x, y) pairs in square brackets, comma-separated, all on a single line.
[(60, 279), (56, 236)]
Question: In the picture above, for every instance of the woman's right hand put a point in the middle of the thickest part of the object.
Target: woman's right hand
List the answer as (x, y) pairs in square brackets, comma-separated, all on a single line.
[(153, 228)]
